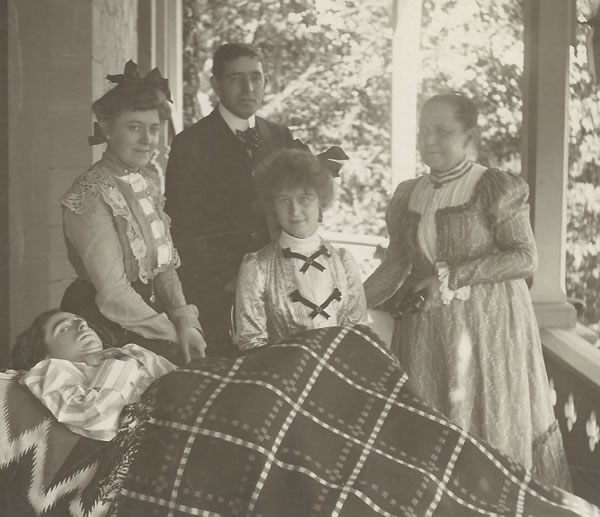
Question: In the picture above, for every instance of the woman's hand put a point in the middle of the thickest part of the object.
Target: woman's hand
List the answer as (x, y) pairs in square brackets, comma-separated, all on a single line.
[(191, 343), (431, 289)]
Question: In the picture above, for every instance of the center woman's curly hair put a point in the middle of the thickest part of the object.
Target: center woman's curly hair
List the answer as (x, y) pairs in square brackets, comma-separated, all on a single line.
[(31, 347), (293, 168)]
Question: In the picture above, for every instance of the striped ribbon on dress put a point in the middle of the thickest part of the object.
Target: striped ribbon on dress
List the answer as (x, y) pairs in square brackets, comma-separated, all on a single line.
[(439, 178)]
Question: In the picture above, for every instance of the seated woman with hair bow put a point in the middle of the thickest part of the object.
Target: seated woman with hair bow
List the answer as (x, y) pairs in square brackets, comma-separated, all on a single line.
[(117, 232), (298, 281)]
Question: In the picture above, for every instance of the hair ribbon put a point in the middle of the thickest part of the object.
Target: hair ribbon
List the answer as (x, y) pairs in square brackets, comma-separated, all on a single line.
[(131, 75), (329, 158)]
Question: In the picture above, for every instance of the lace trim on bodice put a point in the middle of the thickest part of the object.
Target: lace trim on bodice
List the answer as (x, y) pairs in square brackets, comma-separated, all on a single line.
[(92, 185)]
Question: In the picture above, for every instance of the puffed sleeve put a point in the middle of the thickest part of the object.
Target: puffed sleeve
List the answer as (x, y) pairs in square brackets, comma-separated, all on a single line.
[(504, 196), (250, 310), (395, 266), (355, 305), (93, 236)]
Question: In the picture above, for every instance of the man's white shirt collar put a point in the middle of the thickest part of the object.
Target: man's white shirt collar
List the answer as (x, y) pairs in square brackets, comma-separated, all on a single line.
[(234, 122)]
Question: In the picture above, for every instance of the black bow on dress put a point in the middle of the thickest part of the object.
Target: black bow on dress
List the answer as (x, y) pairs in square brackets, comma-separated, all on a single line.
[(308, 261), (336, 294)]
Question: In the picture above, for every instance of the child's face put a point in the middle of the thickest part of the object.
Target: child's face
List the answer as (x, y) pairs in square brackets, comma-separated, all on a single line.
[(68, 336), (297, 210)]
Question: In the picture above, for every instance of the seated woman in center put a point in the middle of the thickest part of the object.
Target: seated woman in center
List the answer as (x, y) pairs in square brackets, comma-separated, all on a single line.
[(298, 281)]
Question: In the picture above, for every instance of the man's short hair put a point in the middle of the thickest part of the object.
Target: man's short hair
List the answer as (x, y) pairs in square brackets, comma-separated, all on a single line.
[(229, 52)]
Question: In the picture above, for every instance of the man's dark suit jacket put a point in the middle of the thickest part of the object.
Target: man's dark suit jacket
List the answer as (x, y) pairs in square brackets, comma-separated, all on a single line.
[(215, 212)]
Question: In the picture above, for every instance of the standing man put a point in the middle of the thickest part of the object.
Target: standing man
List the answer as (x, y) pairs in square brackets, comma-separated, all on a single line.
[(210, 190)]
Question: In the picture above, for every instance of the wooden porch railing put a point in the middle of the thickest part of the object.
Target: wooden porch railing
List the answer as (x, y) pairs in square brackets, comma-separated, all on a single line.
[(573, 367)]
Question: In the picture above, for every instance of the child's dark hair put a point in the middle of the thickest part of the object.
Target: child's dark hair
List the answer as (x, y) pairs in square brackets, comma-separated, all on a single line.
[(31, 347)]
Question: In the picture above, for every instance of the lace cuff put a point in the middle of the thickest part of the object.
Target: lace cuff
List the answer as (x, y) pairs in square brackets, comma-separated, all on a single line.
[(184, 317), (447, 294)]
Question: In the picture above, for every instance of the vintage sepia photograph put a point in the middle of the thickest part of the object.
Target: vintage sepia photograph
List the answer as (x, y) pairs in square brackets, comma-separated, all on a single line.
[(300, 258)]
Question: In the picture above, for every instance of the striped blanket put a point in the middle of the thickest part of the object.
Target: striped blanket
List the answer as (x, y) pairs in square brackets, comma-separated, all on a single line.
[(322, 424)]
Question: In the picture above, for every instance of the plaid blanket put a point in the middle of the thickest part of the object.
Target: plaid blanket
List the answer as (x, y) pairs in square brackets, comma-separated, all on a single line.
[(45, 469), (321, 424)]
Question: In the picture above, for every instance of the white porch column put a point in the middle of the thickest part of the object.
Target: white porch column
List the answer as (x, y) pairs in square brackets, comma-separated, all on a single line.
[(160, 28), (406, 19), (168, 52), (548, 34)]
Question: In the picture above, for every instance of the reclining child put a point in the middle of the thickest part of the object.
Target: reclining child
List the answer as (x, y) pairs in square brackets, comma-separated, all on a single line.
[(82, 384)]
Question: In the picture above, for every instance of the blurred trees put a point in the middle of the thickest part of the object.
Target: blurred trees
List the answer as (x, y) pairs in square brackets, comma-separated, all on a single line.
[(329, 69), (583, 194), (476, 48)]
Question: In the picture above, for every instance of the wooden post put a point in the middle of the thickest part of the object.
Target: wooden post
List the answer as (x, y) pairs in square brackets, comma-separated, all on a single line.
[(4, 195), (548, 35)]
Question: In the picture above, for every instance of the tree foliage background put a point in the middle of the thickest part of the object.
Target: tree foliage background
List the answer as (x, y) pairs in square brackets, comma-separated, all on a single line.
[(329, 68)]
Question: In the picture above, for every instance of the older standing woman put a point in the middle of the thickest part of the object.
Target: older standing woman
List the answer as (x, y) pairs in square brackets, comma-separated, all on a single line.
[(298, 281), (461, 247), (117, 233)]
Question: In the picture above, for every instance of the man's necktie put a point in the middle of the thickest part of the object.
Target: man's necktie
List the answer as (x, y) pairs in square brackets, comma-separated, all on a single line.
[(250, 138)]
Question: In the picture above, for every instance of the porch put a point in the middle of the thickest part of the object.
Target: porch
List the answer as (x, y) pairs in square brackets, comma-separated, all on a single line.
[(56, 55)]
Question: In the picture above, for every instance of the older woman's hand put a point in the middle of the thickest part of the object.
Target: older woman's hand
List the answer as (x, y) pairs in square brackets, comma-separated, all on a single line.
[(431, 288), (191, 343)]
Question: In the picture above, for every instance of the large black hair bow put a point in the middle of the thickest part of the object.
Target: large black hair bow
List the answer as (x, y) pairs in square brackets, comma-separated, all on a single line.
[(131, 75), (328, 157)]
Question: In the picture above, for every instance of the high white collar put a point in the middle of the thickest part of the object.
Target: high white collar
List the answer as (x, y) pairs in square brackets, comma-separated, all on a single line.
[(118, 166), (303, 246), (234, 122)]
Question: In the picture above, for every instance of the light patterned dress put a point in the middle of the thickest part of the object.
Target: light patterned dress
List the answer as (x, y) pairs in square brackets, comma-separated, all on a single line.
[(119, 243), (278, 295), (477, 359)]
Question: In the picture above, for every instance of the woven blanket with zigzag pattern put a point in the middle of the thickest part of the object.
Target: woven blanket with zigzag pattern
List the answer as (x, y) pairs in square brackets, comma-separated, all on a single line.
[(45, 469)]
